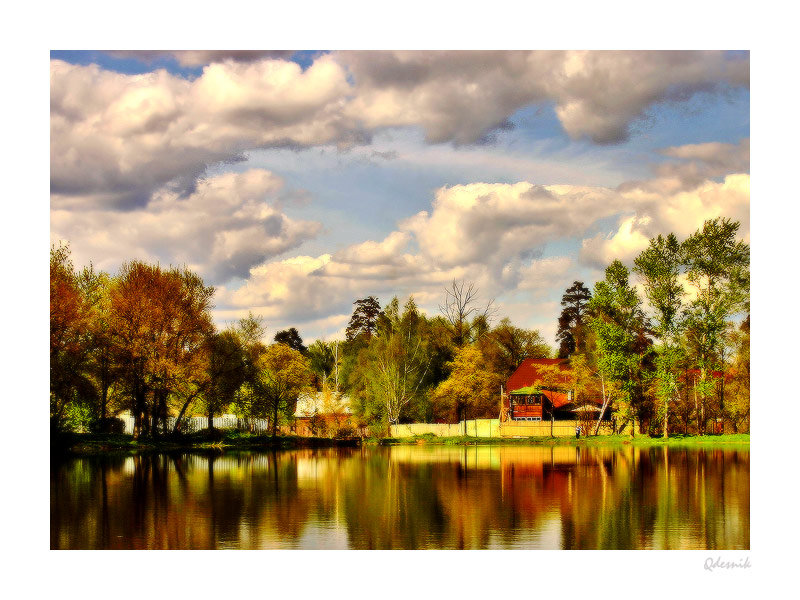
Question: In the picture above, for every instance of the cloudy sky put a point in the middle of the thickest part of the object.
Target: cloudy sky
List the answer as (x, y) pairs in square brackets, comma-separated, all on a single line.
[(297, 182)]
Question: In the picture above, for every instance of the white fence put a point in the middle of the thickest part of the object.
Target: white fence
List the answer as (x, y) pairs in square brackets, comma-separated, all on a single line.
[(193, 424)]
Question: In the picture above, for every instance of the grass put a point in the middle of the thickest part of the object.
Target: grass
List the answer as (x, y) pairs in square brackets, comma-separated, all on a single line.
[(98, 443), (101, 443), (600, 440)]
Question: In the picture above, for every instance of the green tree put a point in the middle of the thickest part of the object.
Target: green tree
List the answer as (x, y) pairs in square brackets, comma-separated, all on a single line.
[(291, 337), (364, 320), (571, 333), (282, 375), (506, 346), (398, 360), (718, 268), (227, 371), (659, 268), (617, 322)]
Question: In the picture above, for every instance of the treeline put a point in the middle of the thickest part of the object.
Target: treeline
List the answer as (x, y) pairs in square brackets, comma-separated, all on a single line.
[(673, 353), (143, 340)]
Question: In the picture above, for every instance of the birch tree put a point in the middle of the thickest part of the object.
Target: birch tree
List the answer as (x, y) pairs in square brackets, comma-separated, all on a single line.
[(659, 268), (399, 359)]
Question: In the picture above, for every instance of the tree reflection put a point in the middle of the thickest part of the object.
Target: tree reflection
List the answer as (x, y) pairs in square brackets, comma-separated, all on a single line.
[(407, 497)]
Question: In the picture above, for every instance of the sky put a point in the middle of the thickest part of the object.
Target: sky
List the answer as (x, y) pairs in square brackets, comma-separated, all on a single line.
[(296, 182)]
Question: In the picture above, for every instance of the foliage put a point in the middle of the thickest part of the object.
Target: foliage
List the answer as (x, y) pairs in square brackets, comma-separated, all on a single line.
[(281, 375), (618, 323), (506, 346), (472, 390), (659, 267), (364, 321), (571, 333), (291, 337), (398, 360)]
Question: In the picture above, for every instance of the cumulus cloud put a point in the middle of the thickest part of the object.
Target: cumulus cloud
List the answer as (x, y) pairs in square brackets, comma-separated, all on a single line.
[(494, 235), (461, 96), (115, 138), (229, 224), (680, 210), (197, 58), (493, 223)]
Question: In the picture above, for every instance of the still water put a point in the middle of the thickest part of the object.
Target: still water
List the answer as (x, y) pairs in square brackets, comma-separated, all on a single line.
[(407, 497)]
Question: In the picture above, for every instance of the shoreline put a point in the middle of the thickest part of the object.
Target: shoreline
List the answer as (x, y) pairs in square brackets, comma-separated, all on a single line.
[(100, 444)]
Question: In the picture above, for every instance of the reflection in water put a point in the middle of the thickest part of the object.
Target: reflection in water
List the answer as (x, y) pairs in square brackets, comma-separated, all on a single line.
[(407, 497)]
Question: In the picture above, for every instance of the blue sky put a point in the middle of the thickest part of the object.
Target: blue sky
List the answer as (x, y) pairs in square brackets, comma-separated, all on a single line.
[(297, 182)]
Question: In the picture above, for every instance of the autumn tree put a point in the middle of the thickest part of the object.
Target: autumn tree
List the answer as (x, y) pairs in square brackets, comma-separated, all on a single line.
[(571, 333), (161, 323), (69, 327), (473, 388)]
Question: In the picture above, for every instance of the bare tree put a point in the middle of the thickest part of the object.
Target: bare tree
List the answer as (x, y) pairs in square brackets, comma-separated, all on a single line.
[(461, 306)]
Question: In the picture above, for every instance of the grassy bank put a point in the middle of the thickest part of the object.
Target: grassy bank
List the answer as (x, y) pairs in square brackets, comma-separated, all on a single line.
[(101, 443), (97, 443), (600, 440)]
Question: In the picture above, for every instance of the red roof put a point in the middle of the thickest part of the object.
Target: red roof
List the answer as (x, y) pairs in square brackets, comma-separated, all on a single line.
[(527, 374)]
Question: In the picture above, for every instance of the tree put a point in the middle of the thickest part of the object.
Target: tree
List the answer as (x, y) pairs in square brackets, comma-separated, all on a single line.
[(69, 347), (324, 360), (618, 322), (364, 321), (506, 346), (282, 375), (659, 267), (291, 337), (161, 324), (398, 360), (571, 323), (227, 371), (460, 306), (472, 389), (718, 268)]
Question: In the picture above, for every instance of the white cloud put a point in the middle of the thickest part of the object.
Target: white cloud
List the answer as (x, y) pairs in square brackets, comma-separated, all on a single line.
[(462, 96), (680, 211), (494, 235), (116, 138), (229, 224)]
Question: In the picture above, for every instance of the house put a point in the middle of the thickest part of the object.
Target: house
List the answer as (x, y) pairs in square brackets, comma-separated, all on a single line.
[(535, 393), (324, 413)]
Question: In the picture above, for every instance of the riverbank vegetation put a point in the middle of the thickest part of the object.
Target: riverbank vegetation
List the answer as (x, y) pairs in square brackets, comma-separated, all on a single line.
[(663, 347)]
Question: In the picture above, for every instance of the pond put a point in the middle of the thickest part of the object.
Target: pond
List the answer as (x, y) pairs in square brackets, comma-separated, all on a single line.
[(407, 497)]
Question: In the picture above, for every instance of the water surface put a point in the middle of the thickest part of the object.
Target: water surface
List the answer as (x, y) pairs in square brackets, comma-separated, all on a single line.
[(407, 497)]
